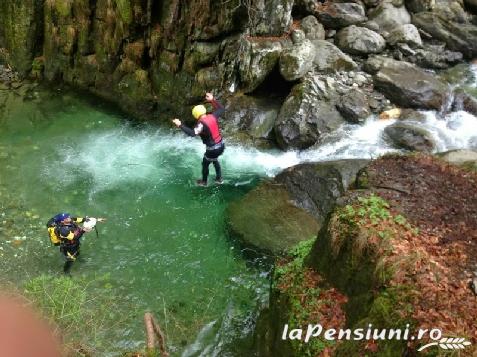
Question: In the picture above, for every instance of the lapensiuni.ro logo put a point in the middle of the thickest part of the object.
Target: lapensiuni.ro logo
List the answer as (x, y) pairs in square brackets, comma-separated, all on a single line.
[(374, 334)]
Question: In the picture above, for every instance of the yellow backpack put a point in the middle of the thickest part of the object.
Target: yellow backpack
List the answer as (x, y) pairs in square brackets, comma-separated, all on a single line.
[(53, 232)]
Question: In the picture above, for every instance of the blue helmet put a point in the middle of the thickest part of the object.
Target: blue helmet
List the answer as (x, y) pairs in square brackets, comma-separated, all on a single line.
[(61, 217)]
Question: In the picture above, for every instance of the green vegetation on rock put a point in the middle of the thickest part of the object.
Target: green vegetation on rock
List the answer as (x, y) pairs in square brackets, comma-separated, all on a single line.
[(299, 288)]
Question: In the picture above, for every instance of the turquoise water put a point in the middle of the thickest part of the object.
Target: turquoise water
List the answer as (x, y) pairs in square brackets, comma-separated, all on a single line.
[(164, 247)]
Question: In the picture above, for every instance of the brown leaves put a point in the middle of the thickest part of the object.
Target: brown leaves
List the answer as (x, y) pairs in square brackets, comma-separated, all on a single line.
[(442, 203)]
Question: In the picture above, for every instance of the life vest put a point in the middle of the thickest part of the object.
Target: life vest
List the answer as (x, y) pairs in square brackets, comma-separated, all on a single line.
[(53, 227), (210, 121)]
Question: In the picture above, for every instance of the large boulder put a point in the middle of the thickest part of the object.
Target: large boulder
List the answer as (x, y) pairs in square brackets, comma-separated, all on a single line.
[(312, 28), (410, 137), (338, 15), (410, 86), (257, 61), (408, 34), (266, 219), (388, 16), (360, 41), (306, 115), (461, 37), (330, 59), (354, 106), (316, 186), (297, 60), (271, 17)]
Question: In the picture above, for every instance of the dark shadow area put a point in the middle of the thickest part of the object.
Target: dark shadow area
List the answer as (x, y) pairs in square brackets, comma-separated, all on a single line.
[(274, 86)]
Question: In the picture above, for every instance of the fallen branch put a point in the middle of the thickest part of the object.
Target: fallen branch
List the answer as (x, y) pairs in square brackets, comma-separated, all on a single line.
[(154, 335)]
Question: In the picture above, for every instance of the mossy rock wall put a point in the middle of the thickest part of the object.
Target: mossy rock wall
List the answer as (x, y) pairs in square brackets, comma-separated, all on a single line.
[(130, 52), (21, 31)]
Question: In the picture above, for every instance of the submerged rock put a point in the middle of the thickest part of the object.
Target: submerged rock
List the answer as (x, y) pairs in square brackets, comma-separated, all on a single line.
[(410, 137), (265, 219)]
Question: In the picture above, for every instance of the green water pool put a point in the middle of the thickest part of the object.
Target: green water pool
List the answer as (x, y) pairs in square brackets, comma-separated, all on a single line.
[(164, 247)]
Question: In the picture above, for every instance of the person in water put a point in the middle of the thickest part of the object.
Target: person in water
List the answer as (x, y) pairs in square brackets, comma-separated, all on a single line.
[(65, 231), (207, 128)]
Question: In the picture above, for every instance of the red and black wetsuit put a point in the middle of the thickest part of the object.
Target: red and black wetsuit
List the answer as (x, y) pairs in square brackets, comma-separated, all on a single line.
[(208, 129)]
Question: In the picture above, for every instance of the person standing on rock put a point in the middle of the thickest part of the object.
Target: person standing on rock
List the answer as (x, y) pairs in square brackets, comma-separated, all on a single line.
[(208, 129)]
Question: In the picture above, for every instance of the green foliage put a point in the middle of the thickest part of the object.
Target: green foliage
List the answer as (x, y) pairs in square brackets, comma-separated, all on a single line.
[(61, 299), (81, 317), (301, 296), (299, 253), (371, 209)]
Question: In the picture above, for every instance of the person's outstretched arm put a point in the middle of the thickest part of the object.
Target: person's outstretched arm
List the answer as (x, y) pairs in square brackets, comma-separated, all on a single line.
[(189, 131), (219, 109)]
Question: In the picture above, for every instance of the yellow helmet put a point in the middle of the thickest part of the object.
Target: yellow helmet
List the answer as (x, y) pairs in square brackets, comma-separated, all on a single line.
[(198, 111)]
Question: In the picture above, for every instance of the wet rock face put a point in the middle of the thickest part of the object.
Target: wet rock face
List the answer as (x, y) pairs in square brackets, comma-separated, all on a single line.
[(409, 86), (410, 137), (360, 41), (354, 106), (21, 24)]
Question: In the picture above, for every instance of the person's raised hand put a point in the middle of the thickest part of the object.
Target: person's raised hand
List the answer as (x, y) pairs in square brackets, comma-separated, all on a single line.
[(209, 97), (177, 122), (101, 219)]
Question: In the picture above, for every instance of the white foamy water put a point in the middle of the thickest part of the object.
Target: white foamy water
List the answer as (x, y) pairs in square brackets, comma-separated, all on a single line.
[(127, 155), (122, 155)]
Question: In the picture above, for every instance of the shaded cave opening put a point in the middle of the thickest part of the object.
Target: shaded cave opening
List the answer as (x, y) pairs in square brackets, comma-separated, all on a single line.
[(274, 86)]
